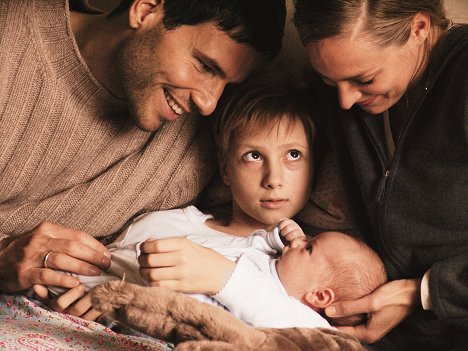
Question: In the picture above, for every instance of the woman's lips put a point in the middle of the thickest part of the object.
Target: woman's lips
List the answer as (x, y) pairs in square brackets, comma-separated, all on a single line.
[(367, 101), (273, 204)]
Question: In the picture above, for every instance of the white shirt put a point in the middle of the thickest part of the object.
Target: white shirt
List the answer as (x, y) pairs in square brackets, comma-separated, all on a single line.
[(253, 293)]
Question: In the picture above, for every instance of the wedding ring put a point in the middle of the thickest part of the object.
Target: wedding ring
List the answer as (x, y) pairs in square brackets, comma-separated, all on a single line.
[(44, 262)]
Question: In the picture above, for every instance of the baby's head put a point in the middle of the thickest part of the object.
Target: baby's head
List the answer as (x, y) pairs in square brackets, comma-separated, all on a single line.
[(264, 134), (328, 268)]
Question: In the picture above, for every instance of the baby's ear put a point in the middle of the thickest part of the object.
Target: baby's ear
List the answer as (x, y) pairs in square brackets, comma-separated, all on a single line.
[(319, 299)]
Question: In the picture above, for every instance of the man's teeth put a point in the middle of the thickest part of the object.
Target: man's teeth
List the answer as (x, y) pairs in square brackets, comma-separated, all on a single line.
[(175, 107)]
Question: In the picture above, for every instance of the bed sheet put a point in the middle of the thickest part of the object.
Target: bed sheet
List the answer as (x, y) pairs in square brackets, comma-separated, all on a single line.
[(27, 325)]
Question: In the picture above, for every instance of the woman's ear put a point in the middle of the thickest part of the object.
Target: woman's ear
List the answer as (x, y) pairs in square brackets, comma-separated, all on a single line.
[(142, 10), (319, 299), (420, 27)]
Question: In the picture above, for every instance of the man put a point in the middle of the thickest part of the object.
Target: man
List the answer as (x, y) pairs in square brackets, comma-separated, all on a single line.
[(73, 164)]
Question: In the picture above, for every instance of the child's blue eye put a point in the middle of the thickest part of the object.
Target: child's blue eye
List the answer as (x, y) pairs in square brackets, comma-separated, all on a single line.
[(294, 155), (252, 156)]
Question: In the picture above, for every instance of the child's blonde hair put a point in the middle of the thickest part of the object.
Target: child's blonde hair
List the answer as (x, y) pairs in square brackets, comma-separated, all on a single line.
[(263, 100)]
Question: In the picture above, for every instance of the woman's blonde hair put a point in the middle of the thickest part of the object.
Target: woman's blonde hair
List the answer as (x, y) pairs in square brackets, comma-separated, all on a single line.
[(388, 22)]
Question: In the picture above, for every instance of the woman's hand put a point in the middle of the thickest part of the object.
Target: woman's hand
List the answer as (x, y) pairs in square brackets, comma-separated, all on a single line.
[(181, 265), (22, 257), (386, 307), (75, 302)]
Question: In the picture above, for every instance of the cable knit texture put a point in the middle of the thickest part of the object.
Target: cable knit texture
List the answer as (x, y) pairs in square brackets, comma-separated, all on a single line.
[(69, 152)]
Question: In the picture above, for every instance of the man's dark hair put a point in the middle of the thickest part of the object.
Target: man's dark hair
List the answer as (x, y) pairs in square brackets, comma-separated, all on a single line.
[(259, 23)]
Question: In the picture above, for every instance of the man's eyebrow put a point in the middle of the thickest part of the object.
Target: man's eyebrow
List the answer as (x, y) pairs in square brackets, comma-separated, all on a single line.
[(212, 63)]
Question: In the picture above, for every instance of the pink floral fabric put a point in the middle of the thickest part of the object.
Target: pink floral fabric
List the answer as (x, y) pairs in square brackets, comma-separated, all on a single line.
[(25, 325)]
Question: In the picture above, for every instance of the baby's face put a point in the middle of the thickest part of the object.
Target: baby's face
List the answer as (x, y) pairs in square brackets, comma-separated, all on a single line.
[(305, 265)]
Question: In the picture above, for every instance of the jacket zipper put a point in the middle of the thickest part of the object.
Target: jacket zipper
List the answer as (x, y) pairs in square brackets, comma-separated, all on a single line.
[(382, 187)]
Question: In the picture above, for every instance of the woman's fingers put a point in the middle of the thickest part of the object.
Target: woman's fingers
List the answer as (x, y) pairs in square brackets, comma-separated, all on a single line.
[(386, 307), (349, 308)]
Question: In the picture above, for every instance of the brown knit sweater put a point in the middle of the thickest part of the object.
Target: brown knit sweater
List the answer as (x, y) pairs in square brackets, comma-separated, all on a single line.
[(69, 152)]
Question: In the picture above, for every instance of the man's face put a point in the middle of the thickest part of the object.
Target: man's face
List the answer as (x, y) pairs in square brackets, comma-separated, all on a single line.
[(269, 173), (167, 74)]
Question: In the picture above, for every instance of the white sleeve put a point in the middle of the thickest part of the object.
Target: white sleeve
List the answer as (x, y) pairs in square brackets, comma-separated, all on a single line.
[(253, 296)]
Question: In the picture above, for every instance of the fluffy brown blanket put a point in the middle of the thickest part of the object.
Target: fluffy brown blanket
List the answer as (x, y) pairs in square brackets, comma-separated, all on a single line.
[(193, 325)]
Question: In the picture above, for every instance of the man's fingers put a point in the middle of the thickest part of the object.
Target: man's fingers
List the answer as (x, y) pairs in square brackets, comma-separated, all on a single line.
[(64, 301), (91, 315), (78, 251), (80, 303), (64, 262), (45, 276), (41, 291)]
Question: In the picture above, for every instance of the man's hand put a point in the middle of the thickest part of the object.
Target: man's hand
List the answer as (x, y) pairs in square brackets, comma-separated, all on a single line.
[(181, 265), (386, 307), (290, 230), (75, 302), (22, 257)]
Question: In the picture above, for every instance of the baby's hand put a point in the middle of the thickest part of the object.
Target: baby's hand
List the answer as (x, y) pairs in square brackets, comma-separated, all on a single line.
[(290, 230)]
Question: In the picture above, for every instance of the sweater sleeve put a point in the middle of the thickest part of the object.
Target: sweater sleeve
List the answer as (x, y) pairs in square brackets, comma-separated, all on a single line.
[(255, 298), (448, 286)]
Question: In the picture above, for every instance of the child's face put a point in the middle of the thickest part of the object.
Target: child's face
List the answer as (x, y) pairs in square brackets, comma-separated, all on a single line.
[(269, 173), (305, 264)]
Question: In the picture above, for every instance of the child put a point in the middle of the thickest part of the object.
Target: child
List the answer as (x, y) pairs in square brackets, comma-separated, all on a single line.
[(265, 138)]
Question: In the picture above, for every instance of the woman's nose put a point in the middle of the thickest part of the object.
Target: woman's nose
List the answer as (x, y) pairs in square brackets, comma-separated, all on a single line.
[(348, 94)]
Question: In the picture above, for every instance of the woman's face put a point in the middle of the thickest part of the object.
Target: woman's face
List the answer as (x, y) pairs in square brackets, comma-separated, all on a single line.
[(364, 74)]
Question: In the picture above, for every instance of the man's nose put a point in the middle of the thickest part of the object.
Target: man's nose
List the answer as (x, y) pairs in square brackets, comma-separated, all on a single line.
[(207, 95), (348, 94)]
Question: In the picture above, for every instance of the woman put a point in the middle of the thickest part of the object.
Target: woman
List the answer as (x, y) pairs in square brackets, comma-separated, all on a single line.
[(398, 70)]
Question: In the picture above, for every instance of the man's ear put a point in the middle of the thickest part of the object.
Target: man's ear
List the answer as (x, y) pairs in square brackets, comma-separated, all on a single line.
[(142, 10), (319, 299), (420, 27)]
